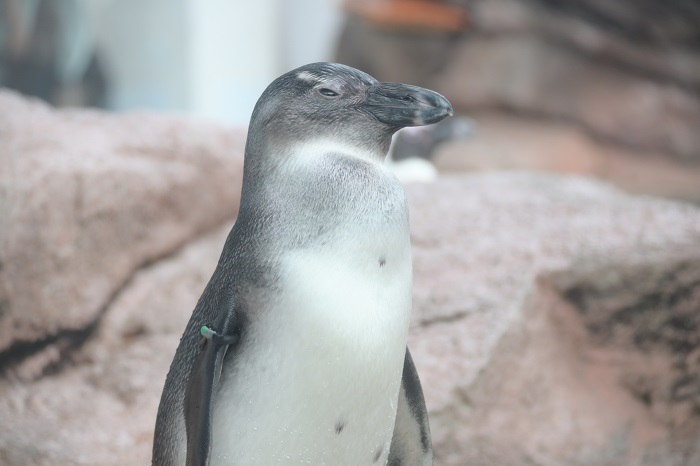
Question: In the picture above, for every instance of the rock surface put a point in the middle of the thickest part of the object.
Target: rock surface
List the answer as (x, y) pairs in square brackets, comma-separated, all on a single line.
[(546, 314), (87, 198), (99, 408), (555, 318), (512, 287)]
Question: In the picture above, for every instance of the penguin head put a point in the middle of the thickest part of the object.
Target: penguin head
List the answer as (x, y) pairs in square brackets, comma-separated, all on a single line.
[(330, 101)]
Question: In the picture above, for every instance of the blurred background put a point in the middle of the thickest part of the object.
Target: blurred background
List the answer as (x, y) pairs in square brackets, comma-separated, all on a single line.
[(556, 320), (608, 89), (208, 58)]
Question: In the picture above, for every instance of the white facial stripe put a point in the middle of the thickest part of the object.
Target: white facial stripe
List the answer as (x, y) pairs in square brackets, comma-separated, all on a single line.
[(315, 79), (308, 77), (320, 147)]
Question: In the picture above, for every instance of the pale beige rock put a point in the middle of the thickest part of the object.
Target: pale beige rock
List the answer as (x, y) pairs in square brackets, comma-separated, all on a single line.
[(511, 270), (100, 408), (87, 198), (511, 375)]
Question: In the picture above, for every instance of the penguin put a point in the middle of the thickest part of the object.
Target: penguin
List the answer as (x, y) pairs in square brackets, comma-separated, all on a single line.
[(295, 353)]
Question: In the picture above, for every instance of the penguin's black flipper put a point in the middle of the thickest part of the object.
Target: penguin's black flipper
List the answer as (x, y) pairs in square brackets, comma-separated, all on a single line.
[(411, 444), (203, 380)]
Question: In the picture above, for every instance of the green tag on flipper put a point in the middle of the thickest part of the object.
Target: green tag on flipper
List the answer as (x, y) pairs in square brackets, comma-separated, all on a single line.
[(217, 338)]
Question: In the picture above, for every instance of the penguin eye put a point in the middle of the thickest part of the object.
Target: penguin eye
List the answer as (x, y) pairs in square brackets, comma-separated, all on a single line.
[(327, 92)]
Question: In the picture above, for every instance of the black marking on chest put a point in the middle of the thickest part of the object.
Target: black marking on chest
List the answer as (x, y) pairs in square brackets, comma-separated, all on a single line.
[(378, 454), (339, 426), (382, 261)]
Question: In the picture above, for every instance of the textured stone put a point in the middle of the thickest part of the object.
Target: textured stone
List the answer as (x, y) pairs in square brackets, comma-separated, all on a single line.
[(87, 198), (514, 276), (100, 406), (513, 374)]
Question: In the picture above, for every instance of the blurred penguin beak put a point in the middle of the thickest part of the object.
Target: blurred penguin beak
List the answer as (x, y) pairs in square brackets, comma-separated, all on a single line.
[(404, 105)]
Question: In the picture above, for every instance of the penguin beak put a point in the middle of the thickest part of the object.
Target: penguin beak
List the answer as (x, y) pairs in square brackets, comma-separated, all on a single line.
[(404, 105)]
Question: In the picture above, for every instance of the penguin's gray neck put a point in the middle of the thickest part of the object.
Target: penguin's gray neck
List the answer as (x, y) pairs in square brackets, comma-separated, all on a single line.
[(274, 161), (313, 188)]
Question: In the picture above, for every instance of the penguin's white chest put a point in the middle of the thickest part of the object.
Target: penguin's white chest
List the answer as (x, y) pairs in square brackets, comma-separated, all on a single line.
[(318, 377)]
